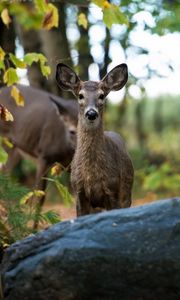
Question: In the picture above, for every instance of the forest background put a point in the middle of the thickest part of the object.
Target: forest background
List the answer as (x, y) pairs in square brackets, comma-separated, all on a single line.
[(92, 37)]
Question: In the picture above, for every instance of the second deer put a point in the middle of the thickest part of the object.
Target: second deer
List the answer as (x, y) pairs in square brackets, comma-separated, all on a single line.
[(102, 171)]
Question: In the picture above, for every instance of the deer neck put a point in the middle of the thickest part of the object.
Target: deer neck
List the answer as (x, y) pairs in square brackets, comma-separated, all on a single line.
[(90, 142)]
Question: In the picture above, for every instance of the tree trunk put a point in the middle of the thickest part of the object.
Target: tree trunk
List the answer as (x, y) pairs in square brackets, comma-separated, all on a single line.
[(31, 42), (129, 254), (85, 58), (56, 48), (7, 42)]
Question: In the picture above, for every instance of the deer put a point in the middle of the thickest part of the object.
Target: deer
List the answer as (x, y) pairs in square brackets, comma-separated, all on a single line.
[(101, 170), (44, 130)]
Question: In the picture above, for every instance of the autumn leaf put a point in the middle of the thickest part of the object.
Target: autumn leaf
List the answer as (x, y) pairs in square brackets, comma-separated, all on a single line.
[(17, 96), (39, 193), (5, 114), (51, 18), (82, 20), (106, 4), (7, 142), (10, 76), (5, 17), (56, 169), (2, 54), (25, 199)]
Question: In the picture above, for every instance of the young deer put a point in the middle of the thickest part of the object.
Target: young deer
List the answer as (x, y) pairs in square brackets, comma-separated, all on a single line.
[(102, 171)]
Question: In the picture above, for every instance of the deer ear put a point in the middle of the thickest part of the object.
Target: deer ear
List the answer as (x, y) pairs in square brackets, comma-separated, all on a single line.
[(115, 79), (67, 79)]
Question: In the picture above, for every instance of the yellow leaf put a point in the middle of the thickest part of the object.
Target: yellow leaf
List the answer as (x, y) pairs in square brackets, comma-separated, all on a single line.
[(26, 198), (39, 193), (5, 245), (2, 54), (82, 20), (7, 142), (56, 169), (51, 18), (106, 4), (5, 114), (18, 97), (5, 17)]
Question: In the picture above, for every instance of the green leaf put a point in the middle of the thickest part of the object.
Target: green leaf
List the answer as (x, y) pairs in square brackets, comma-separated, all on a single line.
[(2, 65), (17, 62), (3, 155), (50, 217), (28, 18), (99, 3), (113, 15), (46, 70), (29, 58), (10, 76), (41, 5), (66, 196)]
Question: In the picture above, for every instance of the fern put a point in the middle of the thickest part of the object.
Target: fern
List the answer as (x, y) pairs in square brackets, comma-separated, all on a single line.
[(17, 222)]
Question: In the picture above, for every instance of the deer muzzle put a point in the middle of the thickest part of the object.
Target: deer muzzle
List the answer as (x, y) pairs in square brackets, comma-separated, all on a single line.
[(91, 114)]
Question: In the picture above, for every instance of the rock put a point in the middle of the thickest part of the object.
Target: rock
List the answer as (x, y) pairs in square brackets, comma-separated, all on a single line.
[(127, 254)]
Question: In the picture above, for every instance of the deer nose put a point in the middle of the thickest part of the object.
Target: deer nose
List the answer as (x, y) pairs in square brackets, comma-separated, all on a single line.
[(91, 114)]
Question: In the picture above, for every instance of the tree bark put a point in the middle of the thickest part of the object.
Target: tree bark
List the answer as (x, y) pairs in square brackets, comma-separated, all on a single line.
[(85, 58), (7, 42), (31, 42), (129, 254), (56, 48)]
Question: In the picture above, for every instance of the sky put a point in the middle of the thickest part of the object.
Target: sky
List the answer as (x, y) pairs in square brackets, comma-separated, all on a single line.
[(162, 50)]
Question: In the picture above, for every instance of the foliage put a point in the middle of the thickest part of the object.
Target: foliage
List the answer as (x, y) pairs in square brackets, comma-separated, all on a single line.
[(18, 211), (58, 172), (38, 14), (111, 13), (162, 179), (5, 114)]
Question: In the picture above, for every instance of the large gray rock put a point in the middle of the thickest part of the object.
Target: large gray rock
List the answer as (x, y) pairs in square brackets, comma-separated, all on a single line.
[(127, 254)]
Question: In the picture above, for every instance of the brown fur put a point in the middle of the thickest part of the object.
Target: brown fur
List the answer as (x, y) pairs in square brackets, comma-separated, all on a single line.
[(41, 130), (102, 172)]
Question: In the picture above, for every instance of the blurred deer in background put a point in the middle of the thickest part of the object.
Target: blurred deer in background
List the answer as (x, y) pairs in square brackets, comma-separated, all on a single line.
[(44, 130), (102, 172)]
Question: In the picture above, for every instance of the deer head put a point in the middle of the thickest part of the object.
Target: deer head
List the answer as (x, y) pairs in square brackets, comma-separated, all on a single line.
[(91, 94)]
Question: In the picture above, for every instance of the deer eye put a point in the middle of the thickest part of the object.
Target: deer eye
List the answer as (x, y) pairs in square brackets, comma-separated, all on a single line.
[(101, 96), (81, 96)]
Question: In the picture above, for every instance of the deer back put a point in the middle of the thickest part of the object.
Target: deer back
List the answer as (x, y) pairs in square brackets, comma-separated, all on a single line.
[(42, 127)]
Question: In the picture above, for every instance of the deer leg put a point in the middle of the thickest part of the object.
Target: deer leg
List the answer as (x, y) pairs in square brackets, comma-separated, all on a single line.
[(40, 184), (82, 205)]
